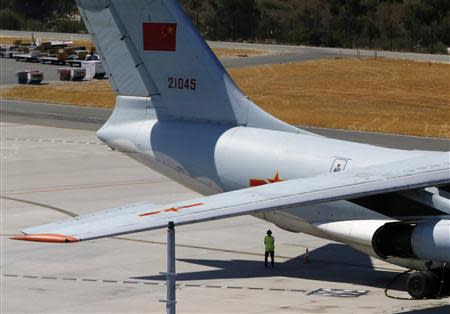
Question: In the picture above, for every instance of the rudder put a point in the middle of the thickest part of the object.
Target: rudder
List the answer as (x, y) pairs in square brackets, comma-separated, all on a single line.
[(151, 49)]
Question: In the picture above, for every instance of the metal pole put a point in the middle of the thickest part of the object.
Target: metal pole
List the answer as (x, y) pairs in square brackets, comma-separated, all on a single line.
[(171, 272)]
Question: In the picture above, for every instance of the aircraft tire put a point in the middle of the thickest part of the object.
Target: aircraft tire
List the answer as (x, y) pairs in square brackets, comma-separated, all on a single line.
[(423, 285)]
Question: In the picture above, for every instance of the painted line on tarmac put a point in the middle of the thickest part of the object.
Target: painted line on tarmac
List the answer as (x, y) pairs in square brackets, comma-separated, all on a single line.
[(83, 186), (153, 283), (45, 140), (196, 247), (60, 210), (199, 247), (72, 214), (84, 279)]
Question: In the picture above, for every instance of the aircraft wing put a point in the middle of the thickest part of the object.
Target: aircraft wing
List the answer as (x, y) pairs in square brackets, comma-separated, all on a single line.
[(430, 170)]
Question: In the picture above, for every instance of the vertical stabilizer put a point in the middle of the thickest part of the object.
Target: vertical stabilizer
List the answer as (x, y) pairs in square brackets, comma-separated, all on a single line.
[(151, 49)]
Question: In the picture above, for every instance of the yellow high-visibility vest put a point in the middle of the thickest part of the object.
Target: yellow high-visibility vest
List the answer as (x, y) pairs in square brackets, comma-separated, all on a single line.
[(269, 242)]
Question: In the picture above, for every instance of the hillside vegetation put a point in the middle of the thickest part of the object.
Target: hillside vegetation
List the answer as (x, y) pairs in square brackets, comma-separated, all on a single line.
[(412, 25)]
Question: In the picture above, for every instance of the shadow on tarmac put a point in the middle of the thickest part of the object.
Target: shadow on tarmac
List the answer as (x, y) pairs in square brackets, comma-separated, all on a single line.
[(332, 262), (445, 309)]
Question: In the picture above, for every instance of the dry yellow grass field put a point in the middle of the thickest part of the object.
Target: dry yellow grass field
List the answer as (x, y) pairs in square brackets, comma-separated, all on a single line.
[(391, 96), (87, 94), (234, 52)]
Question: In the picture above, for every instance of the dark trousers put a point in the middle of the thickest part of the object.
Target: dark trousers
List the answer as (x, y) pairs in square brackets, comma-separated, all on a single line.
[(266, 257)]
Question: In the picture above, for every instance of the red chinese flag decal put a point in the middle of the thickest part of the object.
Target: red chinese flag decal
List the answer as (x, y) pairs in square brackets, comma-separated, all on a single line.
[(160, 36)]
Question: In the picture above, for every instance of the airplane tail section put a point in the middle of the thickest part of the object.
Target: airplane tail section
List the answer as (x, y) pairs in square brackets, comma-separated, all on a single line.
[(151, 49)]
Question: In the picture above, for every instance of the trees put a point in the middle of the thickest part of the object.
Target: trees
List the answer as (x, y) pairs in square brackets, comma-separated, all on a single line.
[(416, 25), (427, 24), (224, 19), (39, 15)]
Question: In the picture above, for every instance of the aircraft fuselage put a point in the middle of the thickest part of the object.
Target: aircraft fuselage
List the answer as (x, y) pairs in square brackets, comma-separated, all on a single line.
[(211, 158)]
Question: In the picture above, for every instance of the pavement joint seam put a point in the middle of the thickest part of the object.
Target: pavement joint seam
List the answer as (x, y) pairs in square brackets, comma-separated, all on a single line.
[(130, 282)]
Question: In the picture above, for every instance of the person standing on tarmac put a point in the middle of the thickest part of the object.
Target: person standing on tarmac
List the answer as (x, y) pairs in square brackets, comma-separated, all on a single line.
[(269, 243)]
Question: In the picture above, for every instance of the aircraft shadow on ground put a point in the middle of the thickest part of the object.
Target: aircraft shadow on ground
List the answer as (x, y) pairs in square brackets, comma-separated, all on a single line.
[(332, 262), (444, 309)]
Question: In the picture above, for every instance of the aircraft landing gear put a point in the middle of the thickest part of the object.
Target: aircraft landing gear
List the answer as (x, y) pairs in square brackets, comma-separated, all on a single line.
[(428, 284), (423, 285)]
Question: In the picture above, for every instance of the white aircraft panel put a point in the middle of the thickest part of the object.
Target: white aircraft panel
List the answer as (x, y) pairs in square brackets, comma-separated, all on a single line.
[(396, 176)]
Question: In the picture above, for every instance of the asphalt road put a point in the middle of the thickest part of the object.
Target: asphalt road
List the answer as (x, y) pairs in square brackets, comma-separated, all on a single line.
[(277, 54), (9, 67), (328, 51), (275, 49), (274, 55), (280, 55), (85, 118)]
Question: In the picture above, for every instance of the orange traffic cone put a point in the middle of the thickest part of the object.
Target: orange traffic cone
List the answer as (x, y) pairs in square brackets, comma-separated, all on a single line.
[(306, 259)]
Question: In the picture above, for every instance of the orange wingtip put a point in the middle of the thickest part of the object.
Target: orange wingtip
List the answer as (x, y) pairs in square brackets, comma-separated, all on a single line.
[(46, 237)]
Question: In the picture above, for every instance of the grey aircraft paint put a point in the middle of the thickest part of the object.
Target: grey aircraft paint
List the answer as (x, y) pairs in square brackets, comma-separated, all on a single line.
[(179, 112), (212, 139)]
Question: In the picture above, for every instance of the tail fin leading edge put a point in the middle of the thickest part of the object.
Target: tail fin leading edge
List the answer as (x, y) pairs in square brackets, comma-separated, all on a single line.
[(151, 49)]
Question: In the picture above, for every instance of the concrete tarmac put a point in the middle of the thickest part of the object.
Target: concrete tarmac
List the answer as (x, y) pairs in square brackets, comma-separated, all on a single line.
[(52, 166), (49, 173)]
